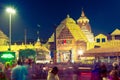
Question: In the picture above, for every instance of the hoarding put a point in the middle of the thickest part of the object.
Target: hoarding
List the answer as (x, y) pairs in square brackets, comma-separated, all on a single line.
[(7, 56)]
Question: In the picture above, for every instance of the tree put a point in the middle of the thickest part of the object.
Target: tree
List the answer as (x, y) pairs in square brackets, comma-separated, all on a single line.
[(27, 53)]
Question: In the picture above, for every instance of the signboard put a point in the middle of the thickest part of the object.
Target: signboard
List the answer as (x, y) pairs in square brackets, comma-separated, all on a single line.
[(7, 56)]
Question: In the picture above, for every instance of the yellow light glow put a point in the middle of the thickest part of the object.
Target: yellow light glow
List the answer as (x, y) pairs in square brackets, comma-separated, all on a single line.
[(80, 52), (11, 10)]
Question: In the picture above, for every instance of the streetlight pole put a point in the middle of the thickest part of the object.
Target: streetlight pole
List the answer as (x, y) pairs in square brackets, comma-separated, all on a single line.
[(10, 11), (10, 31)]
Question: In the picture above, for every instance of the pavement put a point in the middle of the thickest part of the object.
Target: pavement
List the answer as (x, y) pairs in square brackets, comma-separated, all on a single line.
[(85, 76), (70, 73), (82, 76)]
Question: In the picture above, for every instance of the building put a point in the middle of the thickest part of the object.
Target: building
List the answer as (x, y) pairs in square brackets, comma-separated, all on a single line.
[(72, 38), (38, 47), (107, 48), (74, 41)]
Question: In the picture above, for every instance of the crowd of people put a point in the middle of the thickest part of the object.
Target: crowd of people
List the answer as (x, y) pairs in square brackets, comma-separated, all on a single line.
[(17, 70), (102, 71), (28, 70)]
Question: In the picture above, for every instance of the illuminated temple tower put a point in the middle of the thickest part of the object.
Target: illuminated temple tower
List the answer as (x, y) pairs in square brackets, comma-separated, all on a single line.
[(83, 22)]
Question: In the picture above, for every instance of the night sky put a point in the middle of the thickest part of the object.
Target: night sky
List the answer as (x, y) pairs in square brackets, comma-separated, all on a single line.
[(42, 15)]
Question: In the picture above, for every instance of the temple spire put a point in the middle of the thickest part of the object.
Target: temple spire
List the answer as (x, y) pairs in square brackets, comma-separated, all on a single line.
[(82, 14), (38, 39), (68, 16)]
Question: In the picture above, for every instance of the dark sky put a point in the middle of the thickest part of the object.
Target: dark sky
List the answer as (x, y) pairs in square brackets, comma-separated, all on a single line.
[(104, 16)]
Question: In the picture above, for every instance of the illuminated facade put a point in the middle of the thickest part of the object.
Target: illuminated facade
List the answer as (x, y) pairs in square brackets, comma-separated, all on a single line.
[(112, 41), (107, 48), (15, 47), (72, 39), (75, 41)]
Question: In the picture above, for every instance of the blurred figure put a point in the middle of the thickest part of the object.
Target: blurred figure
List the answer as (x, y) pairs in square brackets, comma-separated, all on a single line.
[(75, 75), (1, 67), (7, 70), (18, 72), (103, 71), (96, 72), (2, 74), (53, 74), (28, 69), (114, 74), (14, 63)]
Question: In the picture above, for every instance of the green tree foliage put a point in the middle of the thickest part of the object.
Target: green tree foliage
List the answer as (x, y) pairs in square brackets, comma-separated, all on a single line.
[(27, 53)]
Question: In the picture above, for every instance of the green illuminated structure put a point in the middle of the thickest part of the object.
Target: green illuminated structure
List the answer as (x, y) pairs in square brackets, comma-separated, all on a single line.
[(7, 56)]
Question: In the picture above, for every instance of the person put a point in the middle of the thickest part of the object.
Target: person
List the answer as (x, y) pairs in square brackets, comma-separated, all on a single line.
[(14, 63), (95, 75), (18, 72), (7, 70), (2, 73), (103, 71), (114, 74), (28, 69), (53, 74), (75, 75)]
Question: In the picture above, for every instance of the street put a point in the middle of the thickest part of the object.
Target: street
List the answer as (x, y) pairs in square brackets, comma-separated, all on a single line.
[(66, 72)]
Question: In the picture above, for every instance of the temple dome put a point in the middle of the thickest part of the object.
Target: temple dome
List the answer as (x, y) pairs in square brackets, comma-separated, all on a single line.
[(83, 18), (68, 20)]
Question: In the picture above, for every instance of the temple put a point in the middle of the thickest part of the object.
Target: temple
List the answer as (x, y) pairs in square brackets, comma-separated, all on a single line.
[(75, 41)]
